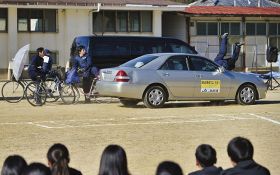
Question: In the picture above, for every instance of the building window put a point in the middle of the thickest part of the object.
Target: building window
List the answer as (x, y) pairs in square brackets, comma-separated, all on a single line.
[(274, 42), (146, 21), (134, 21), (230, 28), (37, 20), (274, 29), (109, 21), (255, 29), (122, 21), (207, 28), (3, 20)]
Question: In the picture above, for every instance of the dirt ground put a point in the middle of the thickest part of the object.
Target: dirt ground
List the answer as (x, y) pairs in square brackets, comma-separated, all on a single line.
[(149, 136)]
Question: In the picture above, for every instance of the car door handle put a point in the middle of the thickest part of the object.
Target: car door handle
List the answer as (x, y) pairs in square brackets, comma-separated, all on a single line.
[(198, 76), (166, 74)]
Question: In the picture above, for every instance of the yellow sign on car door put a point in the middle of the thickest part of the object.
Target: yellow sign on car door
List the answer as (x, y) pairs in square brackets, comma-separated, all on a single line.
[(210, 86)]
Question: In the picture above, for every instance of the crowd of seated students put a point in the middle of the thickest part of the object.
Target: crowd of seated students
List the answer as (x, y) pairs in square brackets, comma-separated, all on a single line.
[(114, 162)]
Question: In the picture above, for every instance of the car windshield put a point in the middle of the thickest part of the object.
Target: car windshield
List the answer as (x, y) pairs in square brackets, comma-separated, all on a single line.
[(139, 61)]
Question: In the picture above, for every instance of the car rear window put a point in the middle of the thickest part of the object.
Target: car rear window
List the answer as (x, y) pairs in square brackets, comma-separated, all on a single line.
[(139, 61)]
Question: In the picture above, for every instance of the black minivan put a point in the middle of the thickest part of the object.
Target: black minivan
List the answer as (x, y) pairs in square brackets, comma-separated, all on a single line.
[(111, 51)]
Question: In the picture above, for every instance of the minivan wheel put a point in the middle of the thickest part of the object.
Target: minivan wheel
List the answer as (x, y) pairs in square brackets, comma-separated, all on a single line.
[(246, 95), (155, 97), (129, 102)]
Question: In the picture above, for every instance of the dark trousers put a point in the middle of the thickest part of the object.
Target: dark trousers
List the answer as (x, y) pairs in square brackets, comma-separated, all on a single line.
[(87, 84), (229, 63)]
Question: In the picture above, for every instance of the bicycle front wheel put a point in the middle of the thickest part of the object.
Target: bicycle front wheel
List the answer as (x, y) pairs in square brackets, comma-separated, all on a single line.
[(35, 94), (13, 91), (68, 94)]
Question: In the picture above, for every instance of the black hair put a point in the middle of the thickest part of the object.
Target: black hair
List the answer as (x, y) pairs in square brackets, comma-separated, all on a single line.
[(79, 48), (37, 169), (58, 157), (169, 168), (40, 49), (113, 161), (205, 155), (240, 149), (13, 165)]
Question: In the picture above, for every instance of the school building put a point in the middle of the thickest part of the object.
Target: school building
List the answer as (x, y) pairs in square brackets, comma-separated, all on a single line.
[(54, 24)]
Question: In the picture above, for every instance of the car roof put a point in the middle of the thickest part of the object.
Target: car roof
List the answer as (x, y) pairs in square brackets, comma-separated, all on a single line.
[(173, 54)]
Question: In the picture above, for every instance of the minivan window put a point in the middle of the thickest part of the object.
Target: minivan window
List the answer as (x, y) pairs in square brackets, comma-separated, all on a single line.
[(178, 48), (109, 49), (141, 48), (143, 59)]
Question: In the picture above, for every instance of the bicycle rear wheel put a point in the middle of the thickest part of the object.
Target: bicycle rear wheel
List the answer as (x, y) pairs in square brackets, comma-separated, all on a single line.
[(68, 94), (13, 91), (52, 89), (35, 94)]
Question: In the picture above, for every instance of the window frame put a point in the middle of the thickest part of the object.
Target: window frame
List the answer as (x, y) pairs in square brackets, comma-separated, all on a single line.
[(230, 24), (116, 22), (256, 29), (186, 61), (207, 28), (6, 20), (205, 60), (29, 17)]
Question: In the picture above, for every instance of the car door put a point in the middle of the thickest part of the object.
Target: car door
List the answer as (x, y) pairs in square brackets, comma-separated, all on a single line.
[(175, 73), (209, 81)]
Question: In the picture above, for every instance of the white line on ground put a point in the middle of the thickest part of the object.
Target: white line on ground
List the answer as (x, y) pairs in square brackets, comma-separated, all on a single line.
[(81, 123), (265, 118)]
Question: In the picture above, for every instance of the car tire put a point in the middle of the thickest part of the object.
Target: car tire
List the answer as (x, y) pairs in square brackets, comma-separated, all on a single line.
[(246, 95), (155, 97), (129, 102)]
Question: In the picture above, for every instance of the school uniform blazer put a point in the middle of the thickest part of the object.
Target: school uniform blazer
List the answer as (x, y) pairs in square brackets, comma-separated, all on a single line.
[(212, 170), (247, 167), (73, 171)]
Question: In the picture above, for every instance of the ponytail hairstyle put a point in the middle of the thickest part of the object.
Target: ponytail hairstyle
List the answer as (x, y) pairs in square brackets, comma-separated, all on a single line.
[(58, 157)]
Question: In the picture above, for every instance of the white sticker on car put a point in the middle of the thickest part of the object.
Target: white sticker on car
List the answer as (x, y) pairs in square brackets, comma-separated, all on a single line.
[(210, 86)]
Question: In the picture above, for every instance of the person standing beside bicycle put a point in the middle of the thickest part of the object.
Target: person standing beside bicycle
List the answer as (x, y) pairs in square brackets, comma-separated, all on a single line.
[(41, 65), (82, 63)]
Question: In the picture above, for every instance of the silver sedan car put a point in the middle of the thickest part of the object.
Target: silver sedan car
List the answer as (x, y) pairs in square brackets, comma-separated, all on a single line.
[(158, 78)]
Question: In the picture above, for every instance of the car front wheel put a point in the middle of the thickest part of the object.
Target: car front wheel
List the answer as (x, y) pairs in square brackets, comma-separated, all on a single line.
[(246, 95), (155, 97)]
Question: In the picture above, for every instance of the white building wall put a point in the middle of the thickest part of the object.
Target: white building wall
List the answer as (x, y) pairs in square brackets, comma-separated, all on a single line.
[(3, 50), (157, 23)]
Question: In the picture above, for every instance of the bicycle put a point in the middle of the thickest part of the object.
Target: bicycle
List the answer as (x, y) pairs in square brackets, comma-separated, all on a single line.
[(93, 94), (39, 92), (13, 91)]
